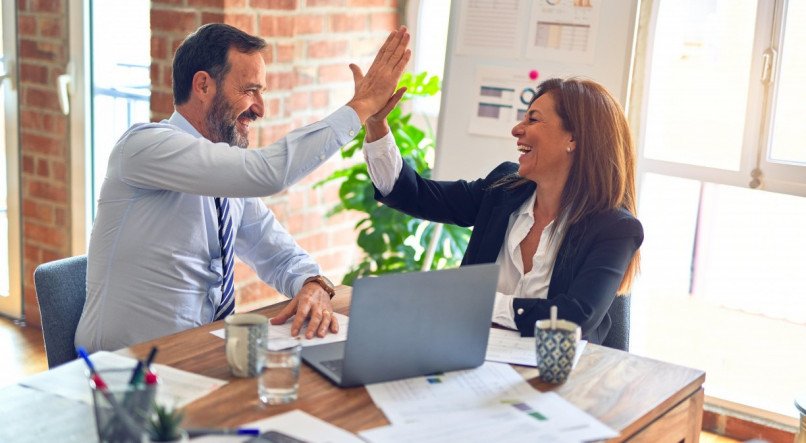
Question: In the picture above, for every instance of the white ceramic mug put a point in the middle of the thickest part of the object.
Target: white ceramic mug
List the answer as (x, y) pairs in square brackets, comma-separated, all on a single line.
[(242, 332)]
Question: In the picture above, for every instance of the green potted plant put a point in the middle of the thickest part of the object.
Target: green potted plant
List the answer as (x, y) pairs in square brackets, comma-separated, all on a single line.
[(164, 424), (394, 242)]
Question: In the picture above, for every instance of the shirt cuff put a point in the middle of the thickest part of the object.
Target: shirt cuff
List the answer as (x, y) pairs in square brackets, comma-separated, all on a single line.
[(381, 147), (384, 163), (345, 123), (503, 313)]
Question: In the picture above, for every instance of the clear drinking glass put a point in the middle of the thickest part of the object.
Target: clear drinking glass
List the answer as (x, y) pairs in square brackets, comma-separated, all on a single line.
[(278, 379)]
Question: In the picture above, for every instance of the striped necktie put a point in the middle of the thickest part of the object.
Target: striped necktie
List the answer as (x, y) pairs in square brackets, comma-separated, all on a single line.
[(225, 238)]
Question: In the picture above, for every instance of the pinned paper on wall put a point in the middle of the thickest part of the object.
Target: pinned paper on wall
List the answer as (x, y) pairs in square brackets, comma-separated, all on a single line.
[(502, 99), (490, 27), (563, 30)]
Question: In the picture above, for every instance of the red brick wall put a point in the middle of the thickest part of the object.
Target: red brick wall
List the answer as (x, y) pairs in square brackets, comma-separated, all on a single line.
[(45, 160), (311, 42)]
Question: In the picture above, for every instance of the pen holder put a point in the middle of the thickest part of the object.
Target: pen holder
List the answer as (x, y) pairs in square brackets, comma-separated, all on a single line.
[(555, 348), (121, 410)]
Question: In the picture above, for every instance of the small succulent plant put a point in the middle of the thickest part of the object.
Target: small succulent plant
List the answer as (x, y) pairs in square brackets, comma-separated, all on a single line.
[(164, 423)]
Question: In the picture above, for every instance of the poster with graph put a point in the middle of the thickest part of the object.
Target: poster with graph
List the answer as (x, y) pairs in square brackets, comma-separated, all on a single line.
[(502, 97), (563, 30)]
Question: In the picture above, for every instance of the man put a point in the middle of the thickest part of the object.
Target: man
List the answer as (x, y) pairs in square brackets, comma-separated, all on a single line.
[(180, 197)]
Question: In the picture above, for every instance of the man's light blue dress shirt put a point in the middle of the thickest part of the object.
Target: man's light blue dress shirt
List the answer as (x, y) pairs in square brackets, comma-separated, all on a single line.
[(154, 262)]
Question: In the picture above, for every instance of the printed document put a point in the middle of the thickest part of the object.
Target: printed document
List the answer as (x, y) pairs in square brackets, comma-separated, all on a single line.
[(70, 380), (418, 398), (545, 418), (507, 346)]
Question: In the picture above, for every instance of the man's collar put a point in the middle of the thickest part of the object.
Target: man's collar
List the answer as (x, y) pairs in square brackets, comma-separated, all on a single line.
[(182, 123)]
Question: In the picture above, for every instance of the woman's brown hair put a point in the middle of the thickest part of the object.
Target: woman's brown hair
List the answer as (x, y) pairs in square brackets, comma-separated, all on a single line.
[(602, 175)]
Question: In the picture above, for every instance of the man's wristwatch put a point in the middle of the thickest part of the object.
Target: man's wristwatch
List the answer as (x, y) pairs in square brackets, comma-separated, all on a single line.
[(322, 281)]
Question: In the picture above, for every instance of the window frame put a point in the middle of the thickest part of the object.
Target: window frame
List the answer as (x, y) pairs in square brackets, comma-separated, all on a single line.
[(779, 176), (776, 177), (11, 305), (80, 116)]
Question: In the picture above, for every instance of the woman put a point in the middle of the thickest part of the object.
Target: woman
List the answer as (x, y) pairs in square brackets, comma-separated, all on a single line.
[(560, 223)]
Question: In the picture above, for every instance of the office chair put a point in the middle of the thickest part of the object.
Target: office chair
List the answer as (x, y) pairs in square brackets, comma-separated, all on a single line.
[(61, 288), (619, 335)]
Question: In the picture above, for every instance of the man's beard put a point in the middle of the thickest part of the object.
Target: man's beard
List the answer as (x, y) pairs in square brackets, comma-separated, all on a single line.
[(222, 125)]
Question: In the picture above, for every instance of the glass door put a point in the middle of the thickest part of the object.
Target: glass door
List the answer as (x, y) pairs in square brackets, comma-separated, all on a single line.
[(10, 286)]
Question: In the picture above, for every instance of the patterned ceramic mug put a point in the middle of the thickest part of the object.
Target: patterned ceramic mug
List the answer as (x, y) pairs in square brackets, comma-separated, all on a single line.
[(242, 332), (556, 349)]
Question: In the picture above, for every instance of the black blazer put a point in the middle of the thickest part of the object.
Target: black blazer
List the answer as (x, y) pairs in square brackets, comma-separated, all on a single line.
[(590, 263)]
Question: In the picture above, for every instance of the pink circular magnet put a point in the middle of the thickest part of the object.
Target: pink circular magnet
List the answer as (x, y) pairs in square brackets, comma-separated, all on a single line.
[(533, 74)]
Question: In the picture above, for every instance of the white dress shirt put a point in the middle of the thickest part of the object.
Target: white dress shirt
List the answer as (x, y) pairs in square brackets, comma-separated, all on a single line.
[(154, 262), (384, 164)]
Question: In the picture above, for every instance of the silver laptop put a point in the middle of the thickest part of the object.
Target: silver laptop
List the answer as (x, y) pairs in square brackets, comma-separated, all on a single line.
[(406, 325)]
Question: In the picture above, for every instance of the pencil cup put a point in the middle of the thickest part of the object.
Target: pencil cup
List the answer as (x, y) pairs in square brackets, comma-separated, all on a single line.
[(278, 381), (242, 332), (556, 349), (121, 410)]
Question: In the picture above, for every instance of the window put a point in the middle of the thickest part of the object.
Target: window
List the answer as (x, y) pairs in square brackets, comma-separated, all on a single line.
[(429, 20), (723, 196), (121, 79), (110, 90)]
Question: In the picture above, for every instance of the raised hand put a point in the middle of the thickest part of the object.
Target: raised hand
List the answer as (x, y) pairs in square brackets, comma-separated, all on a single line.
[(376, 124), (374, 90)]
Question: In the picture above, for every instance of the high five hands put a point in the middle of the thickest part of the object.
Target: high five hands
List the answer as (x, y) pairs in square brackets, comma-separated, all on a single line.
[(376, 90)]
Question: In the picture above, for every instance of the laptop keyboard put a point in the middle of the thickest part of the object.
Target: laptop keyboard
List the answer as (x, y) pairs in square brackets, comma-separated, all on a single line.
[(334, 365)]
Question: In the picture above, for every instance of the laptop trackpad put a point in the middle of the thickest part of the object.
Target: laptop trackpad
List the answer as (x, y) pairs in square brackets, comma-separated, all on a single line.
[(315, 355)]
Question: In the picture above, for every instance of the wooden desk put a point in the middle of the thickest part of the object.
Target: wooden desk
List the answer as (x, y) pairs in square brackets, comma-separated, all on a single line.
[(644, 399)]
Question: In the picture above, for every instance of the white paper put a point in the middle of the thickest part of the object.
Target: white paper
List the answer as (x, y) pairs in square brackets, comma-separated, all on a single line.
[(296, 424), (490, 27), (566, 420), (23, 410), (563, 31), (544, 418), (70, 380), (418, 398), (497, 423), (507, 346), (284, 331)]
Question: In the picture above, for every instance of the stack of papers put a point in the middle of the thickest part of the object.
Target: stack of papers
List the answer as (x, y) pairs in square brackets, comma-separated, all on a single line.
[(508, 346), (70, 380), (491, 402)]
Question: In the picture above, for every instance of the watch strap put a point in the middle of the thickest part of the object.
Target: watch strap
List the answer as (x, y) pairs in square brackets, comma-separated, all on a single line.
[(323, 282)]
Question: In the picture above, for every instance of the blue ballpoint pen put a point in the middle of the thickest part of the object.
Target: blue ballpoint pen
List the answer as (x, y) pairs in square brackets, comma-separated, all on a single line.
[(198, 432)]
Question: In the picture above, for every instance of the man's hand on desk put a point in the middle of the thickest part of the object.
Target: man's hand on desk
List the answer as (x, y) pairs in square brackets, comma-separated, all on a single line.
[(313, 303)]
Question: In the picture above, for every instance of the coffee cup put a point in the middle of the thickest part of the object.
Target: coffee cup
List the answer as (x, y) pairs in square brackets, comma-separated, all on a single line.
[(242, 333), (556, 343)]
